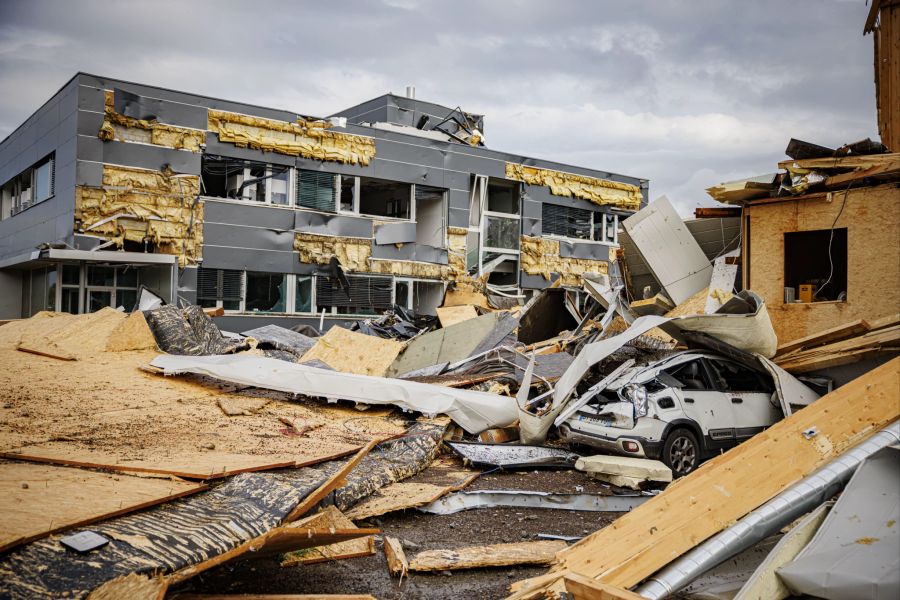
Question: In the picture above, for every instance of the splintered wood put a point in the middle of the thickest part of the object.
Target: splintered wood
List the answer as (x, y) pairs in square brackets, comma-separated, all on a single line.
[(398, 566), (332, 519), (101, 410), (496, 555), (726, 488), (37, 500)]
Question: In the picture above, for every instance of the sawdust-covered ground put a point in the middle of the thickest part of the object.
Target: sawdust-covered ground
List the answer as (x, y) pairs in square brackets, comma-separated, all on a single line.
[(420, 531)]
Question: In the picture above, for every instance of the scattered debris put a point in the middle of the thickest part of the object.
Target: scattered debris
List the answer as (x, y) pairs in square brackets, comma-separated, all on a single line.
[(624, 471), (332, 519), (514, 457), (460, 501), (396, 558), (497, 555)]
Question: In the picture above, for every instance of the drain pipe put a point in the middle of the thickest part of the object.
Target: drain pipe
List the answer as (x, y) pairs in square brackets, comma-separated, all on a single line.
[(783, 509)]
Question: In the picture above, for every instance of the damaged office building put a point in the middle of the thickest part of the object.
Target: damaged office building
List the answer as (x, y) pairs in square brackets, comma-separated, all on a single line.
[(111, 187)]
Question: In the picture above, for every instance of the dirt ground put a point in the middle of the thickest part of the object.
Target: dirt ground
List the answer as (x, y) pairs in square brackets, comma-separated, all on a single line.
[(420, 531)]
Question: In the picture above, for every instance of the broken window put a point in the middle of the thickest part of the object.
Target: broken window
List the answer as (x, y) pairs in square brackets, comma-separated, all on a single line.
[(33, 185), (381, 198), (501, 233), (303, 292), (427, 296), (733, 377), (503, 197), (219, 288), (431, 216), (815, 264), (364, 295), (239, 179), (265, 292), (691, 375), (316, 190), (566, 221), (403, 292), (349, 194)]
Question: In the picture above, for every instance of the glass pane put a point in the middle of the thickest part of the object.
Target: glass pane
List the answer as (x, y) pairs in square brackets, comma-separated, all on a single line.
[(472, 251), (25, 187), (98, 299), (502, 233), (303, 295), (348, 185), (126, 299), (279, 183), (501, 198), (70, 300), (42, 181), (71, 275), (255, 191), (265, 292), (100, 276), (50, 300), (401, 293), (127, 277), (230, 304)]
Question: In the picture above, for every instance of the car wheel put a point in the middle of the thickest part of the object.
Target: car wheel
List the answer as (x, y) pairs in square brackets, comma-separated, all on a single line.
[(681, 452)]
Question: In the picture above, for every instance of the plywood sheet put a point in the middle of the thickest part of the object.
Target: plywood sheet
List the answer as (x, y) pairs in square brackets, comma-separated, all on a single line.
[(37, 500), (352, 352), (495, 555), (103, 409), (450, 315), (333, 519)]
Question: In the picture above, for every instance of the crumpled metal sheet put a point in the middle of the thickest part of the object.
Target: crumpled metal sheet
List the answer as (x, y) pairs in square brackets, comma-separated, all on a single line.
[(460, 501), (189, 331), (515, 457), (473, 411), (281, 338)]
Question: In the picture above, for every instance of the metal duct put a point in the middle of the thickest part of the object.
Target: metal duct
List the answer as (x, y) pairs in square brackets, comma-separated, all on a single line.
[(778, 512)]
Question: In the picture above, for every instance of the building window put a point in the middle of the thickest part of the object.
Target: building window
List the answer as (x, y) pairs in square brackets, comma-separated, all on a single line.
[(303, 294), (110, 286), (220, 288), (503, 197), (71, 289), (579, 224), (265, 292), (431, 216), (32, 186), (363, 294), (251, 181), (815, 264), (380, 198), (316, 190)]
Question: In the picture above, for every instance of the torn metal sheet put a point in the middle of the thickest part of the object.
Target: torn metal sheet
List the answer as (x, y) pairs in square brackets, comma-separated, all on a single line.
[(791, 391), (473, 411), (148, 109), (514, 457), (854, 553), (669, 250), (572, 407), (460, 501), (412, 252), (339, 225), (588, 250), (282, 338), (721, 285), (395, 233), (743, 322)]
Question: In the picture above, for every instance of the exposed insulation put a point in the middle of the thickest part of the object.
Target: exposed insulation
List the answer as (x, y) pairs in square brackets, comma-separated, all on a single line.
[(353, 253), (406, 268), (142, 204), (457, 250), (309, 139), (128, 129), (540, 256), (570, 185)]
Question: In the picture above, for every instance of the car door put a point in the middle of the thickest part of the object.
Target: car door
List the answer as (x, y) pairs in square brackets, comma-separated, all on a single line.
[(703, 403), (749, 393)]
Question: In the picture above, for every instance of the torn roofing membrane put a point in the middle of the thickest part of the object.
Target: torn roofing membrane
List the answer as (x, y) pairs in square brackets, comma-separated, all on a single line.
[(473, 411)]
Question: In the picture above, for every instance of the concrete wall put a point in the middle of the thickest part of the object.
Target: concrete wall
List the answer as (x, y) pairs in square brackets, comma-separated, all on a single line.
[(52, 128)]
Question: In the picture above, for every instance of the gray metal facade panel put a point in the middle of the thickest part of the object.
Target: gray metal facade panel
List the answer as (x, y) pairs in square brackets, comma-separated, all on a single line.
[(414, 252), (372, 111), (165, 111), (269, 261), (241, 236), (91, 97), (89, 173), (531, 208), (531, 227), (591, 251), (332, 224), (535, 282), (89, 148), (89, 122), (395, 233), (458, 200), (458, 217), (214, 146), (145, 156), (230, 211), (420, 152), (543, 195)]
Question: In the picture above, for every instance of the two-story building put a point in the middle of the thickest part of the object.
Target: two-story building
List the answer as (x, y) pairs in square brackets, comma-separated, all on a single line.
[(113, 185)]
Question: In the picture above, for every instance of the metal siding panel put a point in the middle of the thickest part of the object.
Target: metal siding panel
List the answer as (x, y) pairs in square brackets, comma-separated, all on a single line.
[(91, 98), (330, 224), (165, 111), (89, 148), (414, 252), (88, 173), (239, 236), (89, 122), (592, 251), (266, 261), (458, 217), (395, 233), (230, 212)]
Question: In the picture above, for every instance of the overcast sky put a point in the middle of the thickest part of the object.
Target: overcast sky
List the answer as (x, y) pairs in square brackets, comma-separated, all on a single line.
[(685, 94)]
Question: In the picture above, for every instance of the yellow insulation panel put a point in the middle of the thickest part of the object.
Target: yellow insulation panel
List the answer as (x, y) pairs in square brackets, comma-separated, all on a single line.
[(309, 139), (139, 204), (127, 129), (599, 191), (353, 253), (540, 256)]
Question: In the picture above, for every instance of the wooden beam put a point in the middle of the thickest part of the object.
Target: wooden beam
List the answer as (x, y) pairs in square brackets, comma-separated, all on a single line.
[(729, 486), (841, 332), (866, 161), (396, 557), (585, 588), (496, 555)]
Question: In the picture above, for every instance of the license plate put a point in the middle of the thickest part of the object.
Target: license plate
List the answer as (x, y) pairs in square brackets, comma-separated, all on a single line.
[(602, 421)]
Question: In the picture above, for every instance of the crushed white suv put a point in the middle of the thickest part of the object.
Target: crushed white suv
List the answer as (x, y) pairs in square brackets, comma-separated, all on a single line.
[(680, 410)]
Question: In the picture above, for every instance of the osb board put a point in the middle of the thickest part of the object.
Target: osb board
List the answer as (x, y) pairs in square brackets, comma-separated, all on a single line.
[(103, 405), (449, 315), (695, 305), (729, 486), (37, 500), (872, 219), (445, 475), (351, 352), (495, 555), (329, 518)]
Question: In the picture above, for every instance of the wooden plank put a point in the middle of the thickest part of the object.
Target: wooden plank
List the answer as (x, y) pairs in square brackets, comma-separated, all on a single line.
[(844, 179), (333, 519), (352, 352), (585, 588), (717, 212), (866, 161), (37, 500), (449, 315), (398, 566), (843, 352), (48, 352), (274, 597), (496, 555), (841, 332), (729, 486)]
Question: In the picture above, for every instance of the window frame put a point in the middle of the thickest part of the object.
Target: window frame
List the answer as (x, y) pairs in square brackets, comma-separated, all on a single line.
[(592, 228), (357, 198), (269, 167), (16, 183)]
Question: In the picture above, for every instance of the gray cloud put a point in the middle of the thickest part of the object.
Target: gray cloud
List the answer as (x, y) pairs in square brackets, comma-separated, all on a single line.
[(683, 93)]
